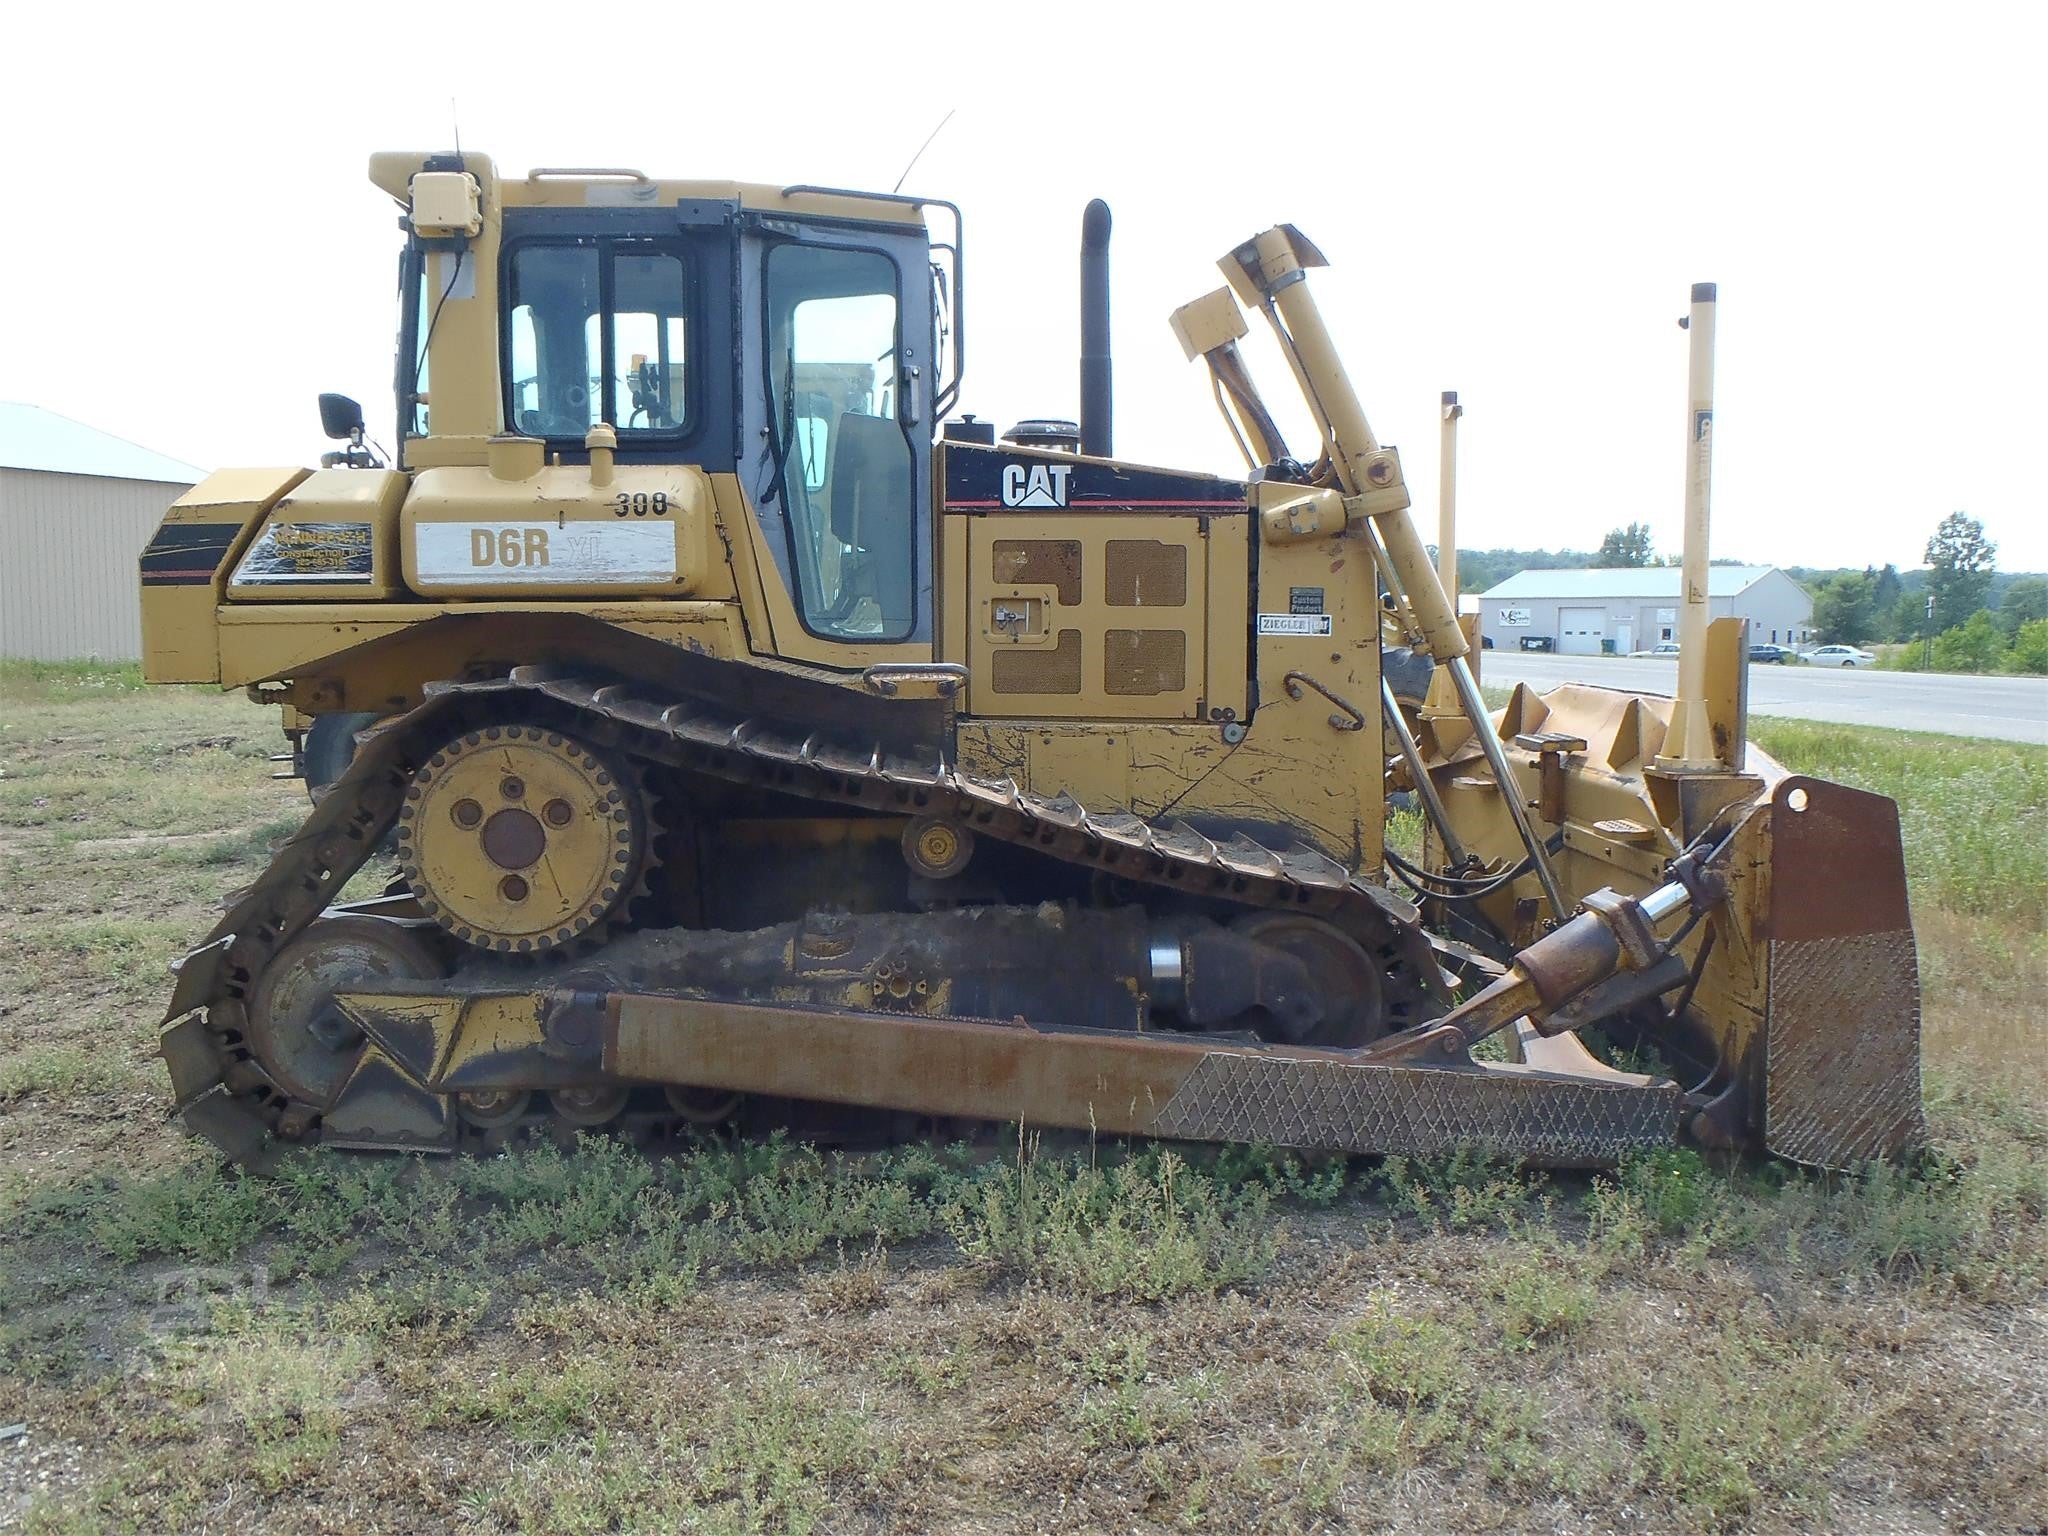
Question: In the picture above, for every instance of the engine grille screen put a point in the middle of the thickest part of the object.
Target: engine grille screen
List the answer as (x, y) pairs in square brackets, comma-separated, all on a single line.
[(1058, 670), (1040, 562), (1144, 573), (1139, 661)]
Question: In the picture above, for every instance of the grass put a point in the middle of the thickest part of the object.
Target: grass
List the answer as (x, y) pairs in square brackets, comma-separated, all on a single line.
[(1974, 814), (773, 1338)]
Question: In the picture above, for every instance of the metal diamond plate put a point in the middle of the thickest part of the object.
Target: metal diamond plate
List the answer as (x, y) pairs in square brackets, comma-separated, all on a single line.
[(1843, 1065), (1336, 1106)]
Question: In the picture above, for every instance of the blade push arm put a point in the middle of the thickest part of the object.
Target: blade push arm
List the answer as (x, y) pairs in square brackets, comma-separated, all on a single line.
[(1270, 273)]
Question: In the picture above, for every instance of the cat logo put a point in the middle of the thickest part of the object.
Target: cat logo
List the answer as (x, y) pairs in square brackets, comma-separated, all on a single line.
[(508, 547), (1035, 485)]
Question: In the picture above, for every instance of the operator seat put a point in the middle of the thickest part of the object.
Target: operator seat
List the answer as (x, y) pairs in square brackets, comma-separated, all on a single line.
[(873, 506)]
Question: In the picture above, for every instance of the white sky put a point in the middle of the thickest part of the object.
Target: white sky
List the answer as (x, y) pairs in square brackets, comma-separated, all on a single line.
[(1515, 199)]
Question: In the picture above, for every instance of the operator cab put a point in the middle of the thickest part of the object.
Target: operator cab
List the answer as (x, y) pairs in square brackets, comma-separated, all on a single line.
[(789, 340)]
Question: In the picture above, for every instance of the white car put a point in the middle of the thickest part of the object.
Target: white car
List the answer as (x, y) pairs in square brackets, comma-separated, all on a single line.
[(1838, 656)]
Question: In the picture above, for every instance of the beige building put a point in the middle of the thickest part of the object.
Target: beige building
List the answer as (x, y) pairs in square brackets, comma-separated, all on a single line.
[(76, 507), (1619, 610)]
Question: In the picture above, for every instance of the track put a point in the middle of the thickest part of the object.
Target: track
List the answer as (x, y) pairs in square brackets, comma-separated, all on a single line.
[(223, 1092)]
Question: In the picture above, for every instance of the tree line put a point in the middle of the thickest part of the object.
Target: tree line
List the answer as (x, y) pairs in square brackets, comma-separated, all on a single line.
[(1960, 614), (1982, 620)]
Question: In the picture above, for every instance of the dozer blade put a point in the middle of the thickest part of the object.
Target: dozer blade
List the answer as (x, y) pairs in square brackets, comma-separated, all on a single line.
[(1167, 1084), (1117, 1082)]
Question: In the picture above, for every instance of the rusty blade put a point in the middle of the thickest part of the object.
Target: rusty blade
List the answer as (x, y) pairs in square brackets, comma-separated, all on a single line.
[(1174, 1085)]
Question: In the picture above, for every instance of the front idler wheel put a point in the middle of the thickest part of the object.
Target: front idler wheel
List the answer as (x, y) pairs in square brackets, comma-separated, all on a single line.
[(292, 1026)]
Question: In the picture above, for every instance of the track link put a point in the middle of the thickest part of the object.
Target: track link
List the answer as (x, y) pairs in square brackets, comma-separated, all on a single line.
[(224, 1094)]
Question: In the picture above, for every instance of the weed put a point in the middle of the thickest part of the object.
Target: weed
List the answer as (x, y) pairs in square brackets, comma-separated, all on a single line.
[(1541, 1297), (1673, 1186), (1124, 1408), (860, 1286), (1313, 1179), (1413, 1380), (612, 1482), (61, 1070), (290, 1391), (544, 1403), (928, 1375), (1467, 1189), (431, 1315), (200, 1212), (775, 1453), (1147, 1228), (1749, 1420), (1415, 1364)]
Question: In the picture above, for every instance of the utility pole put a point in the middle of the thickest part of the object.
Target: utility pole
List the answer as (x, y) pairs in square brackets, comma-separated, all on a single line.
[(1927, 655)]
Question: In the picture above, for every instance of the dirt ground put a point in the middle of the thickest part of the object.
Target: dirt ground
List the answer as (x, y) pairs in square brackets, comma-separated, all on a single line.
[(1007, 1338)]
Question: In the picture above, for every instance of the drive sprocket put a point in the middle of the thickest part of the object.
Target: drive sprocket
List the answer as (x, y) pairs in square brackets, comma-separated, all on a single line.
[(520, 839)]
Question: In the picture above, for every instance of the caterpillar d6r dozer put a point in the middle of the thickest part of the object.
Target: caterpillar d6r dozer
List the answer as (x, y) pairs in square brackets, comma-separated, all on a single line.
[(754, 739)]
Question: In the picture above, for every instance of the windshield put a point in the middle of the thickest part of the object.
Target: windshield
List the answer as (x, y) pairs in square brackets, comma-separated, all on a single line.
[(597, 330), (844, 466)]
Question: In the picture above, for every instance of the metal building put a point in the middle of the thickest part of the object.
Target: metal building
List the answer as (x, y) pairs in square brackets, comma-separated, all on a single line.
[(1588, 612), (76, 507)]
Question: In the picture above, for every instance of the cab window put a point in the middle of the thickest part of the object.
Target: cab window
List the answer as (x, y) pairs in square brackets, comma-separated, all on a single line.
[(844, 466), (597, 331)]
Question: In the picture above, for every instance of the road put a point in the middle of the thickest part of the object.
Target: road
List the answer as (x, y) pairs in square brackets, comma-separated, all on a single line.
[(2002, 708)]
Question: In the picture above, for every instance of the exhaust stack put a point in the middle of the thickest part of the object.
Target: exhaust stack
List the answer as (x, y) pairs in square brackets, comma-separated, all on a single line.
[(1096, 437)]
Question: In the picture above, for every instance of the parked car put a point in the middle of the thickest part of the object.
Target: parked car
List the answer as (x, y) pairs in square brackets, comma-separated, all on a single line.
[(1778, 653), (1839, 656), (1661, 648)]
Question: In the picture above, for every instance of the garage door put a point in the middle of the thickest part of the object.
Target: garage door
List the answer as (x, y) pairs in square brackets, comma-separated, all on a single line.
[(1581, 630)]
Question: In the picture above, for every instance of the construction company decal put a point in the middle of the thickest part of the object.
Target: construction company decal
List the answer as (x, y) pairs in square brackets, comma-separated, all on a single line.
[(292, 554), (1294, 623), (522, 554), (1513, 618)]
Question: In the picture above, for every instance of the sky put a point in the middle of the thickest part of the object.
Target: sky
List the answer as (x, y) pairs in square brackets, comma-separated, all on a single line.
[(1515, 201)]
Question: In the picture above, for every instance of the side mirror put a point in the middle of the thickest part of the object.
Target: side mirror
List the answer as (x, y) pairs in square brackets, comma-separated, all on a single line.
[(340, 417)]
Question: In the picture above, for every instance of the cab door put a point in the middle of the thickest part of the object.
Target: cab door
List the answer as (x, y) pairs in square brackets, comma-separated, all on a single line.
[(835, 448)]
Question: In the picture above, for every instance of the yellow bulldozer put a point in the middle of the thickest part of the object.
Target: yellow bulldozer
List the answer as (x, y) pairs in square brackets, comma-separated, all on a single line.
[(756, 737)]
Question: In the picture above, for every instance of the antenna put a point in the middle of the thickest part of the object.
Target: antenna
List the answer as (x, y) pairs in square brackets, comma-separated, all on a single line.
[(455, 118), (927, 144)]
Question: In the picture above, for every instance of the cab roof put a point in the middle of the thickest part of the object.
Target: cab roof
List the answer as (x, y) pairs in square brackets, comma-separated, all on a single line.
[(620, 187)]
